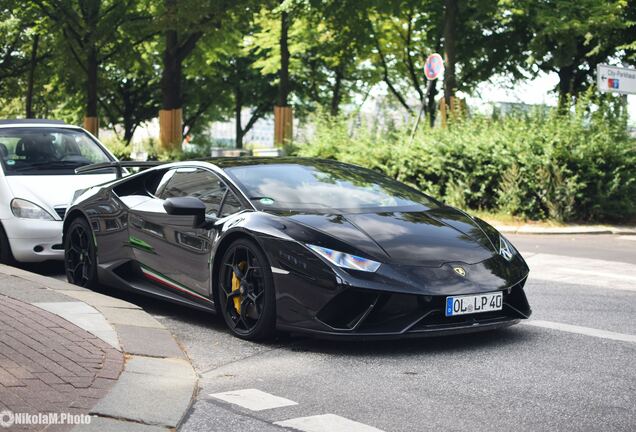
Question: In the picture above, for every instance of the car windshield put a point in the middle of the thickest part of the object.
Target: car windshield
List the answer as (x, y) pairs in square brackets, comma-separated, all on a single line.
[(47, 151), (325, 186)]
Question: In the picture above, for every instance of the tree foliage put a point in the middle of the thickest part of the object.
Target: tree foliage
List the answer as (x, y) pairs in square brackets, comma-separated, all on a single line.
[(593, 33), (125, 59)]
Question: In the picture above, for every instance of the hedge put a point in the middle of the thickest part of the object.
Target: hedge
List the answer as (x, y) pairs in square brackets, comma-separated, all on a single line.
[(576, 164)]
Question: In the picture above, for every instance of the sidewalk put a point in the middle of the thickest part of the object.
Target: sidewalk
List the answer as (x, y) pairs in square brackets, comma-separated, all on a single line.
[(71, 351), (567, 229), (50, 365)]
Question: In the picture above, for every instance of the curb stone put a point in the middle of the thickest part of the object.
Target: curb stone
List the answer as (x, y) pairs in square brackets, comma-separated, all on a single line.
[(157, 385), (570, 229)]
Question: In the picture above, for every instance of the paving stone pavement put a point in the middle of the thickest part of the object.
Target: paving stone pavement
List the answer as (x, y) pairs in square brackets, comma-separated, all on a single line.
[(48, 365), (62, 351)]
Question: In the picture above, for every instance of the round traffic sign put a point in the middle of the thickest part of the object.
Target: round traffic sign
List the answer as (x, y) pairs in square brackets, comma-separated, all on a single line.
[(434, 66)]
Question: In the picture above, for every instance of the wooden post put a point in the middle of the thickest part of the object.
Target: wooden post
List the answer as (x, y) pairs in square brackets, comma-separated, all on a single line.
[(170, 125), (442, 112), (457, 109), (283, 125), (91, 124)]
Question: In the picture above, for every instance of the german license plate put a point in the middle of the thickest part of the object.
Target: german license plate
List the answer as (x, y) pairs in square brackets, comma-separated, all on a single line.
[(470, 304)]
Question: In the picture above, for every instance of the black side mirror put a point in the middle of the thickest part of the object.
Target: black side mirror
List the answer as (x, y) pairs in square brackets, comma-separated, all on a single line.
[(186, 206)]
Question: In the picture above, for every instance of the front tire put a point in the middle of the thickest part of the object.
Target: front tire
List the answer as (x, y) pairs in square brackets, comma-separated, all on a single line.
[(245, 289), (80, 258)]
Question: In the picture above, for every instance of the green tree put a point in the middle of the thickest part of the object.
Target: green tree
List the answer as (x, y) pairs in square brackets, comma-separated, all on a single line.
[(329, 44), (405, 32), (570, 38), (92, 31), (23, 46), (130, 92), (249, 88), (336, 42), (480, 38), (222, 79)]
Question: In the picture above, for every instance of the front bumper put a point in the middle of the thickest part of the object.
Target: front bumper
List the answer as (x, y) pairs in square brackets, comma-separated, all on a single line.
[(364, 314), (394, 302), (33, 240), (479, 326)]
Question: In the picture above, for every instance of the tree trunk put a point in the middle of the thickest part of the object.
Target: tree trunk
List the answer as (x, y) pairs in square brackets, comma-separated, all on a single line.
[(450, 38), (171, 74), (31, 77), (283, 86), (128, 115), (432, 103), (91, 122), (566, 80), (129, 131), (238, 107), (337, 91), (91, 82)]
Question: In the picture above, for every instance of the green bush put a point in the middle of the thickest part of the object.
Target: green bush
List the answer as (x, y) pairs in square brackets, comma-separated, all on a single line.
[(117, 147), (567, 165)]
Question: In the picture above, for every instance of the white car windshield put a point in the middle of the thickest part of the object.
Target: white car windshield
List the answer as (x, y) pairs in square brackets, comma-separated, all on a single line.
[(47, 151)]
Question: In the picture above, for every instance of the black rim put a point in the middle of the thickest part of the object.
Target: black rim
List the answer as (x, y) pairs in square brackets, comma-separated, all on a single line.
[(78, 256), (242, 286)]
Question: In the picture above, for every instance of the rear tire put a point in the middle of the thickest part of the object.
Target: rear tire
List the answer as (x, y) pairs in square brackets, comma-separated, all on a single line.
[(80, 257), (245, 290), (6, 257)]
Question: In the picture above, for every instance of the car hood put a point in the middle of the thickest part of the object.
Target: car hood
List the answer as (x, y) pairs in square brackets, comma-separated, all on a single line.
[(422, 238), (52, 191)]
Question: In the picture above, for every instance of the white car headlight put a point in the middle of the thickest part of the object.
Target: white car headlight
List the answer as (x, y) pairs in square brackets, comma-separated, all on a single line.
[(345, 260), (27, 210)]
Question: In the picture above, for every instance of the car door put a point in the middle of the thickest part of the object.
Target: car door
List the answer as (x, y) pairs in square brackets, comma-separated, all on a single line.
[(170, 250)]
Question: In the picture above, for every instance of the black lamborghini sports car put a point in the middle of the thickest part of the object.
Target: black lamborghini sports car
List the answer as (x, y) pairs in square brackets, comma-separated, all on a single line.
[(298, 245)]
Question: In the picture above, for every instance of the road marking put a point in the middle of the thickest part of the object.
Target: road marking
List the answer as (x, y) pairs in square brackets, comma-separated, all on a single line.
[(326, 423), (253, 399), (629, 237), (587, 331), (583, 271), (603, 274)]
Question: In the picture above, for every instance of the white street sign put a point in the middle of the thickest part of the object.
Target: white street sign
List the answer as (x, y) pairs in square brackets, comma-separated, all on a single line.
[(616, 79)]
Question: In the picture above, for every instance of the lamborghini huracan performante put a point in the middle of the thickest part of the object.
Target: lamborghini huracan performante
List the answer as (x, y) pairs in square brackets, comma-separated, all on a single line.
[(295, 245)]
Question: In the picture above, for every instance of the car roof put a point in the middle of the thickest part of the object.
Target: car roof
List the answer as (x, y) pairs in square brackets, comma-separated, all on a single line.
[(35, 123), (230, 162)]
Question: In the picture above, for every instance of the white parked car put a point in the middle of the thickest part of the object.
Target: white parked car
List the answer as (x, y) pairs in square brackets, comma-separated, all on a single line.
[(38, 159)]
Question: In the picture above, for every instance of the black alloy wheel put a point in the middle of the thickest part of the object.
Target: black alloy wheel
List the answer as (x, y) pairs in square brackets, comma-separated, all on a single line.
[(80, 260), (246, 291)]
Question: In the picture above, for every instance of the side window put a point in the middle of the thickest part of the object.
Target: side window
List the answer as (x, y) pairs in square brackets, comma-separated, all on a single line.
[(162, 183), (196, 183), (231, 204)]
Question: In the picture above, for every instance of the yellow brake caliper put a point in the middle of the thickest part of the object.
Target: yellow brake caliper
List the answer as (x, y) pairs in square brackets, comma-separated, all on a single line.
[(236, 285)]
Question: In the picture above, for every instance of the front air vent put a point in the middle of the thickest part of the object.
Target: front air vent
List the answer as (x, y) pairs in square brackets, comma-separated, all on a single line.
[(348, 309)]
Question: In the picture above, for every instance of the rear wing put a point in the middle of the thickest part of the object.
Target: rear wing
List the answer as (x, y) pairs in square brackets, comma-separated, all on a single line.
[(118, 166)]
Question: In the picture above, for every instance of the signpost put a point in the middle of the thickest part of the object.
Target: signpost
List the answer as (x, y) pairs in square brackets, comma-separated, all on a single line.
[(613, 79), (433, 69)]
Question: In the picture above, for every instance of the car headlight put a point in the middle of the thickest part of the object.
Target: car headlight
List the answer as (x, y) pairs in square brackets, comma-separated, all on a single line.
[(27, 210), (506, 250), (345, 260)]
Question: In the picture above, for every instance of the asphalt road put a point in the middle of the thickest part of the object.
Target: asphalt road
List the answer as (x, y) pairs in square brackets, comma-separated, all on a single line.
[(569, 368)]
